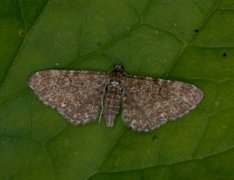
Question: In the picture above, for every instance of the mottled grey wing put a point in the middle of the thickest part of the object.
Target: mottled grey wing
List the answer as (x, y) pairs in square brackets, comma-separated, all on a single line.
[(75, 94), (149, 103)]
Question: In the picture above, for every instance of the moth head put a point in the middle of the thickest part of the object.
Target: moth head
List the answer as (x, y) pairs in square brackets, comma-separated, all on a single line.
[(118, 68)]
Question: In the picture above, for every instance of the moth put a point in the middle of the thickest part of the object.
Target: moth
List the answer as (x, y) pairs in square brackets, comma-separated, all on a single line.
[(146, 103)]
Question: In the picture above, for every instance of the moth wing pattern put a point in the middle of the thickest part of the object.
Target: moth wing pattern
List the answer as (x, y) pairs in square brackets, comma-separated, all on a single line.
[(77, 95), (149, 103)]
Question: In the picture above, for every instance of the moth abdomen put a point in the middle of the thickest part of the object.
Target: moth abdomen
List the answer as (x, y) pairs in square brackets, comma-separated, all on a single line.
[(112, 101)]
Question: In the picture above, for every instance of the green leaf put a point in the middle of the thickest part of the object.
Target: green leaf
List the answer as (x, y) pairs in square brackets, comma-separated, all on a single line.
[(187, 40)]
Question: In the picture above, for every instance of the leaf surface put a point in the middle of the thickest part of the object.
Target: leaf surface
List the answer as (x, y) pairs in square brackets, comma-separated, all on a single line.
[(191, 41)]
